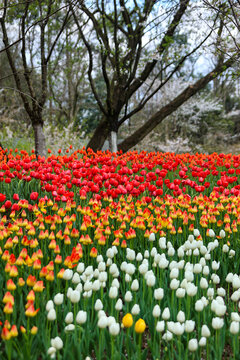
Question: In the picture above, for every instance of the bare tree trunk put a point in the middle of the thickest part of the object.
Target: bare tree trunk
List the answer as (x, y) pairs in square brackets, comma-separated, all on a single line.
[(99, 136), (113, 141), (39, 138)]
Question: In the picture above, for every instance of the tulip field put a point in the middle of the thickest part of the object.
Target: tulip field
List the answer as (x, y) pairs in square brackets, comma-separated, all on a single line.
[(119, 256)]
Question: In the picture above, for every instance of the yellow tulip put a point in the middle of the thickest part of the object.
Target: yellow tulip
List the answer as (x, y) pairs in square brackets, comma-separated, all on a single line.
[(140, 326), (127, 320)]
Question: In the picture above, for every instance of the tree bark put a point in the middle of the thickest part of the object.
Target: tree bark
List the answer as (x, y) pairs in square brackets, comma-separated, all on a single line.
[(39, 137), (99, 136), (160, 115), (113, 141)]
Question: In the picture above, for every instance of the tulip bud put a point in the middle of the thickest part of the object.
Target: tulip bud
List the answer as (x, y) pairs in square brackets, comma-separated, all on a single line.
[(193, 345), (135, 309), (160, 326), (58, 299), (81, 317), (156, 311), (75, 296), (69, 318), (51, 316), (166, 314), (205, 331), (181, 316), (189, 326), (114, 329), (98, 305), (57, 343), (158, 294)]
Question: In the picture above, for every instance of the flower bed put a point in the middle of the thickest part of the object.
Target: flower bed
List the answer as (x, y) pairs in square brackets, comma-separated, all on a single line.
[(119, 256)]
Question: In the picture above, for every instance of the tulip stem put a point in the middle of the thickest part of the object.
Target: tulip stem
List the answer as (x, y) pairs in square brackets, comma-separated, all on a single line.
[(139, 346)]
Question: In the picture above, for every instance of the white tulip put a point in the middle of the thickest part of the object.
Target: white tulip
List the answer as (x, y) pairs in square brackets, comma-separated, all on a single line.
[(202, 341), (229, 277), (193, 345), (98, 305), (113, 268), (167, 336), (146, 254), (197, 268), (128, 278), (52, 351), (139, 257), (58, 299), (49, 305), (76, 278), (162, 243), (191, 289), (174, 284), (174, 273), (199, 305), (130, 269), (96, 285), (111, 320), (69, 328), (103, 276), (152, 237), (69, 318), (203, 283), (67, 275), (160, 326), (113, 292), (215, 265), (180, 292), (51, 316), (231, 253), (222, 234), (110, 253), (119, 305), (236, 281), (189, 276), (69, 291), (135, 285), (151, 280), (102, 322), (181, 316), (203, 250), (114, 329), (156, 311), (225, 248), (128, 296), (99, 258), (123, 265), (135, 309), (180, 252), (178, 329), (234, 327), (115, 283), (235, 316), (211, 233), (221, 292), (81, 317), (205, 332), (189, 325), (171, 251), (158, 294), (75, 296), (57, 343), (210, 293), (217, 323), (166, 314)]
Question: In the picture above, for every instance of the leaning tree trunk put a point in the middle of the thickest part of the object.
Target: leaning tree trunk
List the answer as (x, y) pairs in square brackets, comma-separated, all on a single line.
[(39, 137), (99, 136)]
